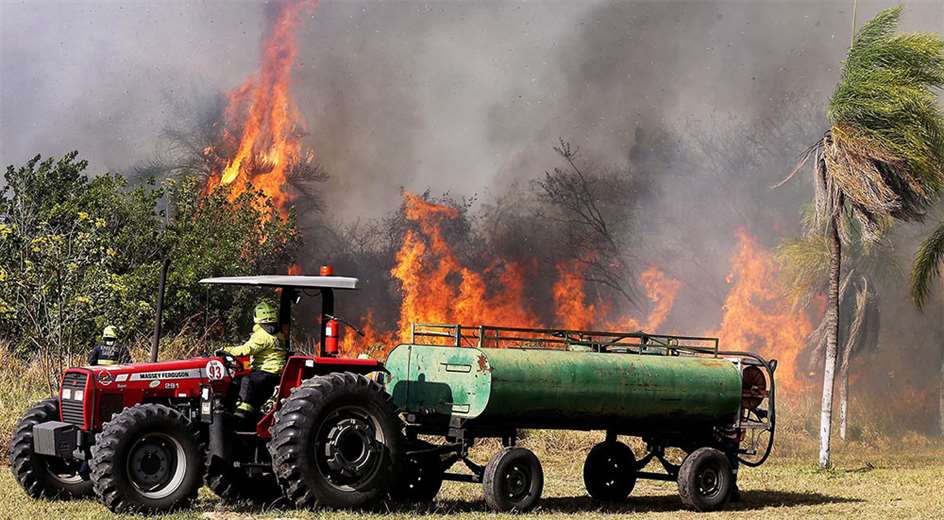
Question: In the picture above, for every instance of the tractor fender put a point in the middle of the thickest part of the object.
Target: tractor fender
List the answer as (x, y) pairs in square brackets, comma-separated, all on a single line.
[(220, 442)]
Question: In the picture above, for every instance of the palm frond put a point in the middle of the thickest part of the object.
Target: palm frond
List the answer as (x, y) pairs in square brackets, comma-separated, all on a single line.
[(883, 156), (927, 266)]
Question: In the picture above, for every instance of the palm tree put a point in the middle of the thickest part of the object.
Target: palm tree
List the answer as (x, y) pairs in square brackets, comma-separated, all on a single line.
[(926, 269), (805, 263), (882, 158)]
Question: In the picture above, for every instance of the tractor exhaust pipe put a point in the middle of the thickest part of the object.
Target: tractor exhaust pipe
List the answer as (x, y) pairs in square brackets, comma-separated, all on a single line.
[(165, 265)]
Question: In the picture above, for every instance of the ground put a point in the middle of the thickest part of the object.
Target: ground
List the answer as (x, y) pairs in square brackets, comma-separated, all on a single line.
[(867, 483)]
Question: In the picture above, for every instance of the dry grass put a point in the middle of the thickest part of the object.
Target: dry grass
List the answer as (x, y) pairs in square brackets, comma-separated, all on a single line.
[(877, 476), (902, 483)]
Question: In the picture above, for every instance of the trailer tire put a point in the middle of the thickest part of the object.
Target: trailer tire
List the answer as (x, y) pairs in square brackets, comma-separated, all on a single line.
[(233, 485), (335, 441), (420, 479), (609, 472), (147, 459), (513, 480), (39, 475), (705, 480)]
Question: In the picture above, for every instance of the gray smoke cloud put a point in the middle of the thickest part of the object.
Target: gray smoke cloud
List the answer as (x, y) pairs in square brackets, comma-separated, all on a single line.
[(707, 103)]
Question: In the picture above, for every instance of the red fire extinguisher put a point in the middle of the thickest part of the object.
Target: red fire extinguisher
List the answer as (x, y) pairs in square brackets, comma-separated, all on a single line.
[(332, 333)]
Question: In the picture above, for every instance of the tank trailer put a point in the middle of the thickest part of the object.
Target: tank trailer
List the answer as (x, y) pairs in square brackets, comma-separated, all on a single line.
[(467, 383), (146, 436)]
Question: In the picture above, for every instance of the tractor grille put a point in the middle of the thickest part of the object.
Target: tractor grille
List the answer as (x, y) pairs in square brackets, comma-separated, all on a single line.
[(72, 410)]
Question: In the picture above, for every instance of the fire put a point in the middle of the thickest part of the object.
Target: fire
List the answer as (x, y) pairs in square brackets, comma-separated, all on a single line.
[(756, 315), (570, 302), (268, 143), (660, 290), (437, 288)]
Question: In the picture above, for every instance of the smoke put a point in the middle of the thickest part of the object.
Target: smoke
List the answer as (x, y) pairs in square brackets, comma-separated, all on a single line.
[(705, 103)]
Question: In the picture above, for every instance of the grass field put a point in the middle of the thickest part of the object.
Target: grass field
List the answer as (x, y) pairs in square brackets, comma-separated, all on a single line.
[(877, 476), (893, 483)]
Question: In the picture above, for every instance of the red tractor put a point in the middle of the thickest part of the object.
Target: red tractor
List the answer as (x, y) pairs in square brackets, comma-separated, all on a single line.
[(146, 436)]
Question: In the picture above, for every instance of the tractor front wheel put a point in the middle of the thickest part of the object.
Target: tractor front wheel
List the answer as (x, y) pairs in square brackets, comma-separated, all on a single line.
[(610, 471), (335, 441), (705, 480), (40, 475), (147, 459)]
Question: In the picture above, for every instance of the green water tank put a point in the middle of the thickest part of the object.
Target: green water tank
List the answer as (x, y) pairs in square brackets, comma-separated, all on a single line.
[(531, 388)]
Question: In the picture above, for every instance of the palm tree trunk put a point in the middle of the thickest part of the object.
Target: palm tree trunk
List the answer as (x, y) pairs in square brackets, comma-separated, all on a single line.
[(941, 398), (843, 402), (832, 335)]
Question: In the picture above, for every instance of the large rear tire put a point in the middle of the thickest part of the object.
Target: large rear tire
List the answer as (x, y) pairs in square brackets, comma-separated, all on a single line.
[(40, 475), (705, 480), (147, 459), (610, 471), (335, 441)]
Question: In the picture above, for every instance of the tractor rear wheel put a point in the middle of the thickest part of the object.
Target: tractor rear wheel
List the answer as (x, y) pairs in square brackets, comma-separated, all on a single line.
[(610, 471), (335, 441), (234, 485), (147, 459), (705, 480), (513, 480), (40, 475)]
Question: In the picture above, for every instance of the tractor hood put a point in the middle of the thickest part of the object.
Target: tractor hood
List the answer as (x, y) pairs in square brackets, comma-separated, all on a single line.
[(194, 368)]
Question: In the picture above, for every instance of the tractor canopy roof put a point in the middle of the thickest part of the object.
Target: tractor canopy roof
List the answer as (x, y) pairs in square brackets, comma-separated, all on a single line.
[(275, 280)]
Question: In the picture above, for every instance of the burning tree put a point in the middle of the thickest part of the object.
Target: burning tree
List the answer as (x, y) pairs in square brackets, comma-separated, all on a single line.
[(593, 212), (882, 158)]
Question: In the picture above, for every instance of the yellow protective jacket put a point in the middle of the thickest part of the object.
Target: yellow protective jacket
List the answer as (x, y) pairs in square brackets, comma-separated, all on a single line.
[(267, 350)]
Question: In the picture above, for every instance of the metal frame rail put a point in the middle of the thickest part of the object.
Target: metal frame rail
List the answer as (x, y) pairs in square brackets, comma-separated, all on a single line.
[(638, 342)]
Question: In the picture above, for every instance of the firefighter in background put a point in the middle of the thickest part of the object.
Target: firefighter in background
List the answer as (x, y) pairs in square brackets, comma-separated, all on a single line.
[(266, 346), (109, 351)]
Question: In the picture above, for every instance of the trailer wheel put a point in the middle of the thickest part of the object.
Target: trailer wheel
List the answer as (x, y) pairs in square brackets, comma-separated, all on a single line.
[(610, 471), (42, 476), (705, 480), (513, 480), (147, 459), (419, 480), (234, 485), (335, 441)]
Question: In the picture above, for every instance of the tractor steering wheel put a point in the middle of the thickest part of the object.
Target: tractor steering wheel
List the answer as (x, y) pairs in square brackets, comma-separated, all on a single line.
[(229, 360)]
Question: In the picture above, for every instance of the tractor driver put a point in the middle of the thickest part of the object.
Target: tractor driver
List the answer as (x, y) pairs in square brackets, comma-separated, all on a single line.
[(266, 346), (109, 351)]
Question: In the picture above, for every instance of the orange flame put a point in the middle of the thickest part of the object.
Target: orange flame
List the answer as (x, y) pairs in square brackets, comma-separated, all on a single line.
[(570, 302), (756, 315), (437, 288), (269, 144)]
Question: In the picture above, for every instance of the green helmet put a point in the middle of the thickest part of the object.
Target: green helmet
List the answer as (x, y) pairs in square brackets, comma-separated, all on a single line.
[(110, 332), (266, 313)]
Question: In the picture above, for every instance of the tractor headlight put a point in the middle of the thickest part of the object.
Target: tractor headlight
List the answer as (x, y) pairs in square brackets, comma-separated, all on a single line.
[(67, 393), (205, 393), (78, 395)]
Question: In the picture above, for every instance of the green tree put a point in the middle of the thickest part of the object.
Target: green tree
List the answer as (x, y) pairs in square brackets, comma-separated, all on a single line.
[(219, 235), (68, 246), (881, 158), (80, 252)]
